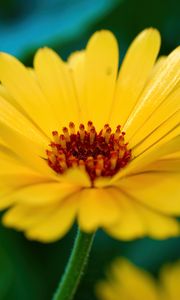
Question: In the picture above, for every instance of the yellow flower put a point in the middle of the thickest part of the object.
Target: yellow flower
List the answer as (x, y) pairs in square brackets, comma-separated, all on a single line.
[(63, 152), (125, 281)]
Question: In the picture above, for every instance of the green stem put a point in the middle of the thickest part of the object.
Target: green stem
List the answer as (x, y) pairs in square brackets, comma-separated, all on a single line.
[(75, 267)]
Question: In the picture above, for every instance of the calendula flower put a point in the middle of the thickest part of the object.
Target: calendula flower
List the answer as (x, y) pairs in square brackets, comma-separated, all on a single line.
[(82, 141), (126, 281)]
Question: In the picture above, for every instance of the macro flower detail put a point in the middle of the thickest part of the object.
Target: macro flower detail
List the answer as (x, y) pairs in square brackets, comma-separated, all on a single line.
[(99, 154), (126, 281), (83, 141)]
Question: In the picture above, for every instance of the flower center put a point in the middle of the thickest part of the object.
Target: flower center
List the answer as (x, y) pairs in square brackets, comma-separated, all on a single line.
[(100, 154)]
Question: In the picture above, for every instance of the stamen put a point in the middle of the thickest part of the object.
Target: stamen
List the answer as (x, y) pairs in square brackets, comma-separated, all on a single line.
[(90, 162), (107, 135), (72, 128), (55, 137), (106, 126), (62, 163), (66, 134), (98, 171), (113, 159), (116, 144), (117, 132), (61, 155), (89, 126), (82, 164), (121, 140), (51, 156), (73, 161), (62, 141), (99, 154), (121, 151), (54, 148), (82, 132), (92, 135), (100, 161)]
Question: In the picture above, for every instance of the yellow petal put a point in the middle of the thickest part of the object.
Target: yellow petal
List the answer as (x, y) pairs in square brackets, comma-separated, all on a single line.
[(167, 164), (2, 143), (157, 187), (25, 90), (147, 222), (160, 122), (26, 150), (57, 223), (169, 277), (157, 66), (5, 200), (10, 164), (43, 202), (77, 177), (136, 68), (17, 121), (175, 155), (156, 91), (167, 145), (130, 278), (97, 209), (129, 225), (12, 183), (56, 83), (23, 216), (45, 193), (32, 72), (76, 63), (5, 95), (158, 226), (105, 291), (170, 127), (101, 182), (101, 63), (28, 155)]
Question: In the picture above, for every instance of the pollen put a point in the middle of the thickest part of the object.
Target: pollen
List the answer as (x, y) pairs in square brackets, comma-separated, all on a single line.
[(101, 153)]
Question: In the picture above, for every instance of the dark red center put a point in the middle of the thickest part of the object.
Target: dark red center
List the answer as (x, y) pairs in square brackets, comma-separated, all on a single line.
[(99, 153)]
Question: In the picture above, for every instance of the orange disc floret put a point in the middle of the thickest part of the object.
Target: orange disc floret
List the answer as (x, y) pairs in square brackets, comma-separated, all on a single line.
[(100, 154)]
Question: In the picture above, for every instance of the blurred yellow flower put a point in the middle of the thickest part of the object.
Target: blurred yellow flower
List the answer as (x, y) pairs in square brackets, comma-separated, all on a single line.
[(80, 141), (125, 281)]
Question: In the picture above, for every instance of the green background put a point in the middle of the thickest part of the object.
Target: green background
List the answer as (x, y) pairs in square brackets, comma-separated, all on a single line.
[(31, 270)]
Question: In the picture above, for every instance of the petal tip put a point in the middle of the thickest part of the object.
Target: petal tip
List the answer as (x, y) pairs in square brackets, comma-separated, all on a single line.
[(103, 36), (151, 33)]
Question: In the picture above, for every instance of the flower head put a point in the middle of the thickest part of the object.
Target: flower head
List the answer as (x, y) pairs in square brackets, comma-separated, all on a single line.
[(83, 141), (128, 282), (98, 153)]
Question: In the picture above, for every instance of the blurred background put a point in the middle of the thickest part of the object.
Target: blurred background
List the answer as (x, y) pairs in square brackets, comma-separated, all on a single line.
[(31, 270)]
